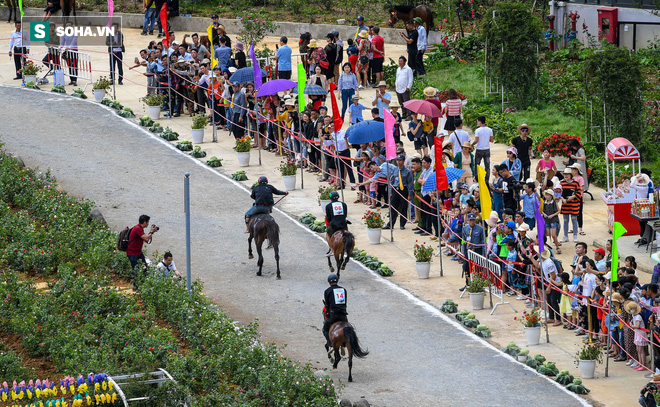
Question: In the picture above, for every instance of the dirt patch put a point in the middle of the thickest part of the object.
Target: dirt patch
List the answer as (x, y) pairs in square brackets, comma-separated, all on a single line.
[(43, 367)]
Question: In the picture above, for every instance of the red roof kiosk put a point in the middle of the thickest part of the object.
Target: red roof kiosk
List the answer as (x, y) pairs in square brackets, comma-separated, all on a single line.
[(619, 198)]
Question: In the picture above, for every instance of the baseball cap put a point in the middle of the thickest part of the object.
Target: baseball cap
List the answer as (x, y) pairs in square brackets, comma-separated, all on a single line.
[(401, 157), (323, 107), (471, 216), (511, 224), (360, 18), (601, 251), (214, 16)]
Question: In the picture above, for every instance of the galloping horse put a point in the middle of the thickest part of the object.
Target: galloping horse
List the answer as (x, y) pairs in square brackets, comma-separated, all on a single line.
[(342, 336), (12, 5), (262, 227), (342, 243), (405, 13)]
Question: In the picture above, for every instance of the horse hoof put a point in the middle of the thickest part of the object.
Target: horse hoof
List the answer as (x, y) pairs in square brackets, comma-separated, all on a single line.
[(250, 256), (259, 273), (332, 269), (350, 379), (279, 278)]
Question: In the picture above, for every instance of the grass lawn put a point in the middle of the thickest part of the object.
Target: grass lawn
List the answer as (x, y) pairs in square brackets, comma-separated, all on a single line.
[(550, 119), (467, 79)]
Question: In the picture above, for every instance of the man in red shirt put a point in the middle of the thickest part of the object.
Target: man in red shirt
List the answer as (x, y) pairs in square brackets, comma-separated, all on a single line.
[(136, 239), (378, 45)]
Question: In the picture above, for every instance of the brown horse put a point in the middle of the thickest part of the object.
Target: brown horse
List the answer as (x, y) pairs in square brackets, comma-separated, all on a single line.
[(342, 336), (262, 227), (405, 13), (341, 243), (67, 7), (12, 6)]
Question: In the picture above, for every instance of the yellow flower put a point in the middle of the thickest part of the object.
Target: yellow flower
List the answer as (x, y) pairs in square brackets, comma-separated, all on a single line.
[(104, 385)]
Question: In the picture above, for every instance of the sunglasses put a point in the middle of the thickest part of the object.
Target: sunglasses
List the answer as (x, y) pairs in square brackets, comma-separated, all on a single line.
[(524, 130)]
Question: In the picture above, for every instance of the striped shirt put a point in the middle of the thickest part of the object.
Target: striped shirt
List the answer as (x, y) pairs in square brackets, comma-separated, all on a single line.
[(570, 188), (453, 107)]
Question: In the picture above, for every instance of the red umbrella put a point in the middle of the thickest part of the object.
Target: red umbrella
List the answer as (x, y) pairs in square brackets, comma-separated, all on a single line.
[(422, 107)]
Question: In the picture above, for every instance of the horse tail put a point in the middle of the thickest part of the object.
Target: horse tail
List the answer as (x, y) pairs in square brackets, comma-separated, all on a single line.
[(349, 242), (351, 337), (431, 23), (273, 234)]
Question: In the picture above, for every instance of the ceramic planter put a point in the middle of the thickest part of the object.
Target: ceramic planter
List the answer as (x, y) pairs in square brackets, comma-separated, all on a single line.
[(423, 269), (374, 235), (99, 94), (324, 203), (30, 78), (244, 159), (477, 300), (154, 112), (289, 182), (587, 368), (198, 135), (522, 358), (533, 335)]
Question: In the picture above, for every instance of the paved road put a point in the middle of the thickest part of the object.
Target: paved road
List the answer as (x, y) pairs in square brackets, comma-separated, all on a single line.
[(418, 357)]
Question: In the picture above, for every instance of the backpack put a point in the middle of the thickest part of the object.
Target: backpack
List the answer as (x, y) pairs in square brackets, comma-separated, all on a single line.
[(122, 239)]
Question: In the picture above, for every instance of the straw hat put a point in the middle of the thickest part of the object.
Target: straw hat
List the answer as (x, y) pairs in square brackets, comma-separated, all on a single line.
[(616, 297), (312, 44), (656, 378), (290, 102), (523, 228), (358, 97), (578, 167), (382, 83), (363, 34), (394, 104), (549, 191), (232, 69), (568, 170), (642, 178), (632, 307), (493, 219), (467, 144), (430, 91), (545, 255), (524, 126)]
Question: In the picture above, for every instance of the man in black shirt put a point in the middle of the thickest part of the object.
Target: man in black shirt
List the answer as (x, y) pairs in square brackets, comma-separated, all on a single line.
[(508, 190), (411, 40), (263, 199), (523, 144), (334, 299)]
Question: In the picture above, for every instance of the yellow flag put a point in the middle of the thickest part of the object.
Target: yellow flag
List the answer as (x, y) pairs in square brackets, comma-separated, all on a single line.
[(209, 31), (484, 194)]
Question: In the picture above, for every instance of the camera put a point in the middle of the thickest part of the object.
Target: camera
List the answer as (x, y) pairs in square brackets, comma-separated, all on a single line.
[(157, 228)]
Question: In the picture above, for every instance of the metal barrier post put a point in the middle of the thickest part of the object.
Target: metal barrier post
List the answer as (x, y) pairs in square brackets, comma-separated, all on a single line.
[(186, 203), (545, 307)]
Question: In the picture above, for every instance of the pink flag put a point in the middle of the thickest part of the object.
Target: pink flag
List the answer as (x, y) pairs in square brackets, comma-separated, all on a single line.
[(390, 146), (111, 10)]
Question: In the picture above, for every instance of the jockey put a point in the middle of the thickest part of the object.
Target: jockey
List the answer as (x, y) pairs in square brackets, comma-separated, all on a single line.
[(263, 199), (335, 217), (335, 304)]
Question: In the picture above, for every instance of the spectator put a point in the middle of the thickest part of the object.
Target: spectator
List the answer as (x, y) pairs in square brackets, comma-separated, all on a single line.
[(378, 46), (483, 136), (570, 198), (319, 79), (551, 217), (19, 47), (352, 52), (116, 49), (512, 162), (355, 110), (529, 199), (331, 57), (402, 84), (523, 145), (551, 283), (459, 137), (475, 240), (415, 133), (431, 94), (362, 66), (149, 10), (340, 52), (167, 266), (136, 239), (577, 177), (508, 191), (283, 58), (347, 85), (421, 46), (222, 54), (239, 55), (382, 99), (360, 27), (496, 187), (70, 43), (375, 115), (453, 110), (53, 6), (410, 37), (464, 160)]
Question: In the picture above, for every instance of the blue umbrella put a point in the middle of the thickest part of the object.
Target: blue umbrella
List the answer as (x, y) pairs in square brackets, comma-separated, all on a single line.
[(275, 86), (312, 89), (452, 175), (244, 75), (365, 132)]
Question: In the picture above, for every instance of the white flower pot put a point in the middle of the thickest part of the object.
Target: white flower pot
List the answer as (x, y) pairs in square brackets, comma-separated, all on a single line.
[(477, 300), (30, 78), (423, 269), (522, 358), (587, 368), (99, 94), (289, 182), (198, 135), (154, 112), (324, 203), (244, 159), (533, 335), (374, 235)]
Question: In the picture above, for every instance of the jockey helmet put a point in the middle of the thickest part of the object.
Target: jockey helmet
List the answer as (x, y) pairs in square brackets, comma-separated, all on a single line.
[(334, 196), (263, 180), (332, 278)]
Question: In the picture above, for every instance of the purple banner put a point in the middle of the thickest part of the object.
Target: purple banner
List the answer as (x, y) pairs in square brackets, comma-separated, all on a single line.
[(540, 224), (257, 68)]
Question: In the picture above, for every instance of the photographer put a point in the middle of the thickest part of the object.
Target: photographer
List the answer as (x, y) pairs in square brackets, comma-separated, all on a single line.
[(510, 188), (136, 239)]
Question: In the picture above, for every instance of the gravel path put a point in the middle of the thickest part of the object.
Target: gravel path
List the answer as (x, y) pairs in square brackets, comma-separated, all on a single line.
[(418, 357)]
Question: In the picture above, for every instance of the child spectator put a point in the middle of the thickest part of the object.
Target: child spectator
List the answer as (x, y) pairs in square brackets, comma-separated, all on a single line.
[(355, 110)]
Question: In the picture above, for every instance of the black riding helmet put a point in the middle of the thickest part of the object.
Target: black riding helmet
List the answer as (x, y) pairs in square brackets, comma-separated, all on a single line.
[(334, 196), (332, 278), (263, 180)]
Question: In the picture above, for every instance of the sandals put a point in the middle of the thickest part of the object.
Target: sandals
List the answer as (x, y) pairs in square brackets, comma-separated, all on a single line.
[(558, 250), (582, 233)]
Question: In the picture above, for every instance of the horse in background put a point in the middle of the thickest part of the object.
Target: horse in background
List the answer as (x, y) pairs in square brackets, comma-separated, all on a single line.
[(405, 13), (12, 5), (342, 243), (263, 227)]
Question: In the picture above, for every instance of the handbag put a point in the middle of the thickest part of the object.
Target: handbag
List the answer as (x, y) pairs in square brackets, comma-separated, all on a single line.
[(324, 64), (364, 59)]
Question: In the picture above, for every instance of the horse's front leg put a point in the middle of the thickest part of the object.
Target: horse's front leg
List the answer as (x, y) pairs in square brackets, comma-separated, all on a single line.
[(332, 270), (250, 256), (260, 262)]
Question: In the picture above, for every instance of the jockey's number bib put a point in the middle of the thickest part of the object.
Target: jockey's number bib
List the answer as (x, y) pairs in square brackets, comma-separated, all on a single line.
[(340, 296), (337, 208)]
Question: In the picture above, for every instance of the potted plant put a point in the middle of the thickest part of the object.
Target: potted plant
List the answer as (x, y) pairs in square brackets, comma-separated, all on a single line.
[(531, 322), (522, 355), (586, 359), (374, 222), (99, 88), (243, 147), (30, 71), (557, 145), (423, 255), (289, 170), (324, 197), (198, 123), (154, 102), (476, 291)]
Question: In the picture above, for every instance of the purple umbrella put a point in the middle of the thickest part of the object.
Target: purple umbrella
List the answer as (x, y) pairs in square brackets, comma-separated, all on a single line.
[(275, 86)]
